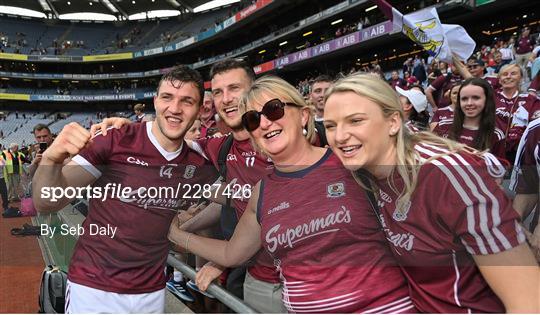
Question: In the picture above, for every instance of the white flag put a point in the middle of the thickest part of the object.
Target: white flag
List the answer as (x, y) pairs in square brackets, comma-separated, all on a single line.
[(439, 40)]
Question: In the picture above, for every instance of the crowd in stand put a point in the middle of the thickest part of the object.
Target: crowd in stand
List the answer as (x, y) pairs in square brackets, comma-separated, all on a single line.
[(478, 103)]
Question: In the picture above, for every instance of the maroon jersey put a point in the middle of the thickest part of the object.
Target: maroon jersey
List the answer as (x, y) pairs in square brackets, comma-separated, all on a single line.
[(493, 81), (527, 164), (443, 116), (327, 244), (524, 45), (434, 235), (468, 136), (132, 261), (245, 166), (205, 126), (399, 82), (514, 114), (441, 85)]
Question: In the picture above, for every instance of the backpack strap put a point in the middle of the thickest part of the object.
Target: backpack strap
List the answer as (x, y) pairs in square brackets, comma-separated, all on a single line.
[(222, 163)]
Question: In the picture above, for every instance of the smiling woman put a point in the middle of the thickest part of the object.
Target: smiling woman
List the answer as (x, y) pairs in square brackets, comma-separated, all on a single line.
[(451, 227)]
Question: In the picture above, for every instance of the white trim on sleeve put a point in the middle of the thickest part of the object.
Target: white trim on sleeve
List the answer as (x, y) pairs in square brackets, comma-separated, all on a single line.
[(87, 166)]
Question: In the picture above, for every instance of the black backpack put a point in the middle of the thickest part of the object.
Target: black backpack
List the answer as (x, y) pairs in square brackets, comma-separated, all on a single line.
[(228, 218), (52, 293)]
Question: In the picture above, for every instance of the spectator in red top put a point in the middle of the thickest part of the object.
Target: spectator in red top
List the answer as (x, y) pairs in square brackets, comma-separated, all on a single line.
[(451, 227), (395, 80), (524, 47), (435, 92)]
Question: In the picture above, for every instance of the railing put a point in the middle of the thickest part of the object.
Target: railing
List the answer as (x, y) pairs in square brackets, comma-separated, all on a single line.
[(221, 294)]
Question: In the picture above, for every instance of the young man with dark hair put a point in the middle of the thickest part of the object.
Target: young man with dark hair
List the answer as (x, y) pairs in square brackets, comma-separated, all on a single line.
[(243, 165), (318, 89), (122, 265)]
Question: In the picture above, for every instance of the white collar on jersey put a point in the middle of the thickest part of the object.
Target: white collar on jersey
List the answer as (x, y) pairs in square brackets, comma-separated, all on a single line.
[(169, 156)]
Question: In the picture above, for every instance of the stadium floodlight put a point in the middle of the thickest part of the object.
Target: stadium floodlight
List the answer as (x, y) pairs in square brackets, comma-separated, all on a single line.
[(262, 51), (154, 14), (21, 11), (283, 43), (307, 33), (336, 22), (213, 4), (87, 16), (371, 8)]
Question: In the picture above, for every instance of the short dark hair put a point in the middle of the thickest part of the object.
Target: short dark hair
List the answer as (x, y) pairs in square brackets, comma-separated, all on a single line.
[(322, 78), (184, 74), (40, 127), (230, 64)]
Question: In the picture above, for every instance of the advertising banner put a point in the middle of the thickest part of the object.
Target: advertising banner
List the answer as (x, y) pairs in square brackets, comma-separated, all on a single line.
[(108, 57)]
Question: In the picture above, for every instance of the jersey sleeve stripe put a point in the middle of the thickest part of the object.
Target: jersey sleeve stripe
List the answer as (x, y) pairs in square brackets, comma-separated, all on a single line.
[(87, 166), (468, 202), (495, 209), (465, 197)]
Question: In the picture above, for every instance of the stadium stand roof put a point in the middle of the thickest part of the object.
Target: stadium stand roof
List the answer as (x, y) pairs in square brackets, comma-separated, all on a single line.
[(112, 7)]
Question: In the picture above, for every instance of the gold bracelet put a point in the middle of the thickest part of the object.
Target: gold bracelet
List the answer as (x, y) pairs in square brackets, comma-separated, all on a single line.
[(187, 242)]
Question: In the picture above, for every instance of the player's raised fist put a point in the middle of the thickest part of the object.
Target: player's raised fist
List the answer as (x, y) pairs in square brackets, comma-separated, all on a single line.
[(71, 140)]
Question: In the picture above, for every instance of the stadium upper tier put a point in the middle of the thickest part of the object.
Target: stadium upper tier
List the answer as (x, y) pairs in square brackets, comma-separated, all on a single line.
[(43, 37)]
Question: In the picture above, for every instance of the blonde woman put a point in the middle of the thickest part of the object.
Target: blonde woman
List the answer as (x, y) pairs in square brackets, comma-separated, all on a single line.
[(450, 226), (310, 215)]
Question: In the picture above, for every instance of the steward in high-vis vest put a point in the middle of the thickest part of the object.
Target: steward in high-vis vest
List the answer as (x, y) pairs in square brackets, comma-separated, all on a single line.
[(13, 169)]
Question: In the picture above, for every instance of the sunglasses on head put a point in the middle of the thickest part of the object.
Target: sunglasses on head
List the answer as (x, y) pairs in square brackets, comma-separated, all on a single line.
[(273, 110)]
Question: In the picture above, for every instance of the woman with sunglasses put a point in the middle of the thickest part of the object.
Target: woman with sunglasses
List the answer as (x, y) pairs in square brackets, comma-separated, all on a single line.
[(310, 215), (451, 227), (474, 118)]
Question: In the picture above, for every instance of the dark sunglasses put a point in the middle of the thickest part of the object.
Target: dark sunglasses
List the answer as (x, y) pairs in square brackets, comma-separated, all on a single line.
[(273, 110)]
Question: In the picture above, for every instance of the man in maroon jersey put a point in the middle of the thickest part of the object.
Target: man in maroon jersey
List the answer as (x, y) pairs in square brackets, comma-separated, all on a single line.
[(245, 167), (435, 92), (524, 47), (395, 80), (118, 261)]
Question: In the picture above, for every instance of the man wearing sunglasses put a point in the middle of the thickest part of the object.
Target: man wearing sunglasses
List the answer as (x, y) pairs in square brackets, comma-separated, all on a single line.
[(477, 68)]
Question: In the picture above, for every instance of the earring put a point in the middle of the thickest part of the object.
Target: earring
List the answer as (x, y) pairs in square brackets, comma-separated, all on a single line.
[(304, 131)]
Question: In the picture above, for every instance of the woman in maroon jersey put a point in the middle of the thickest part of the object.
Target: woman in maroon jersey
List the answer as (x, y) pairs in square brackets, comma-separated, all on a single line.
[(514, 110), (451, 227), (474, 118), (310, 215)]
